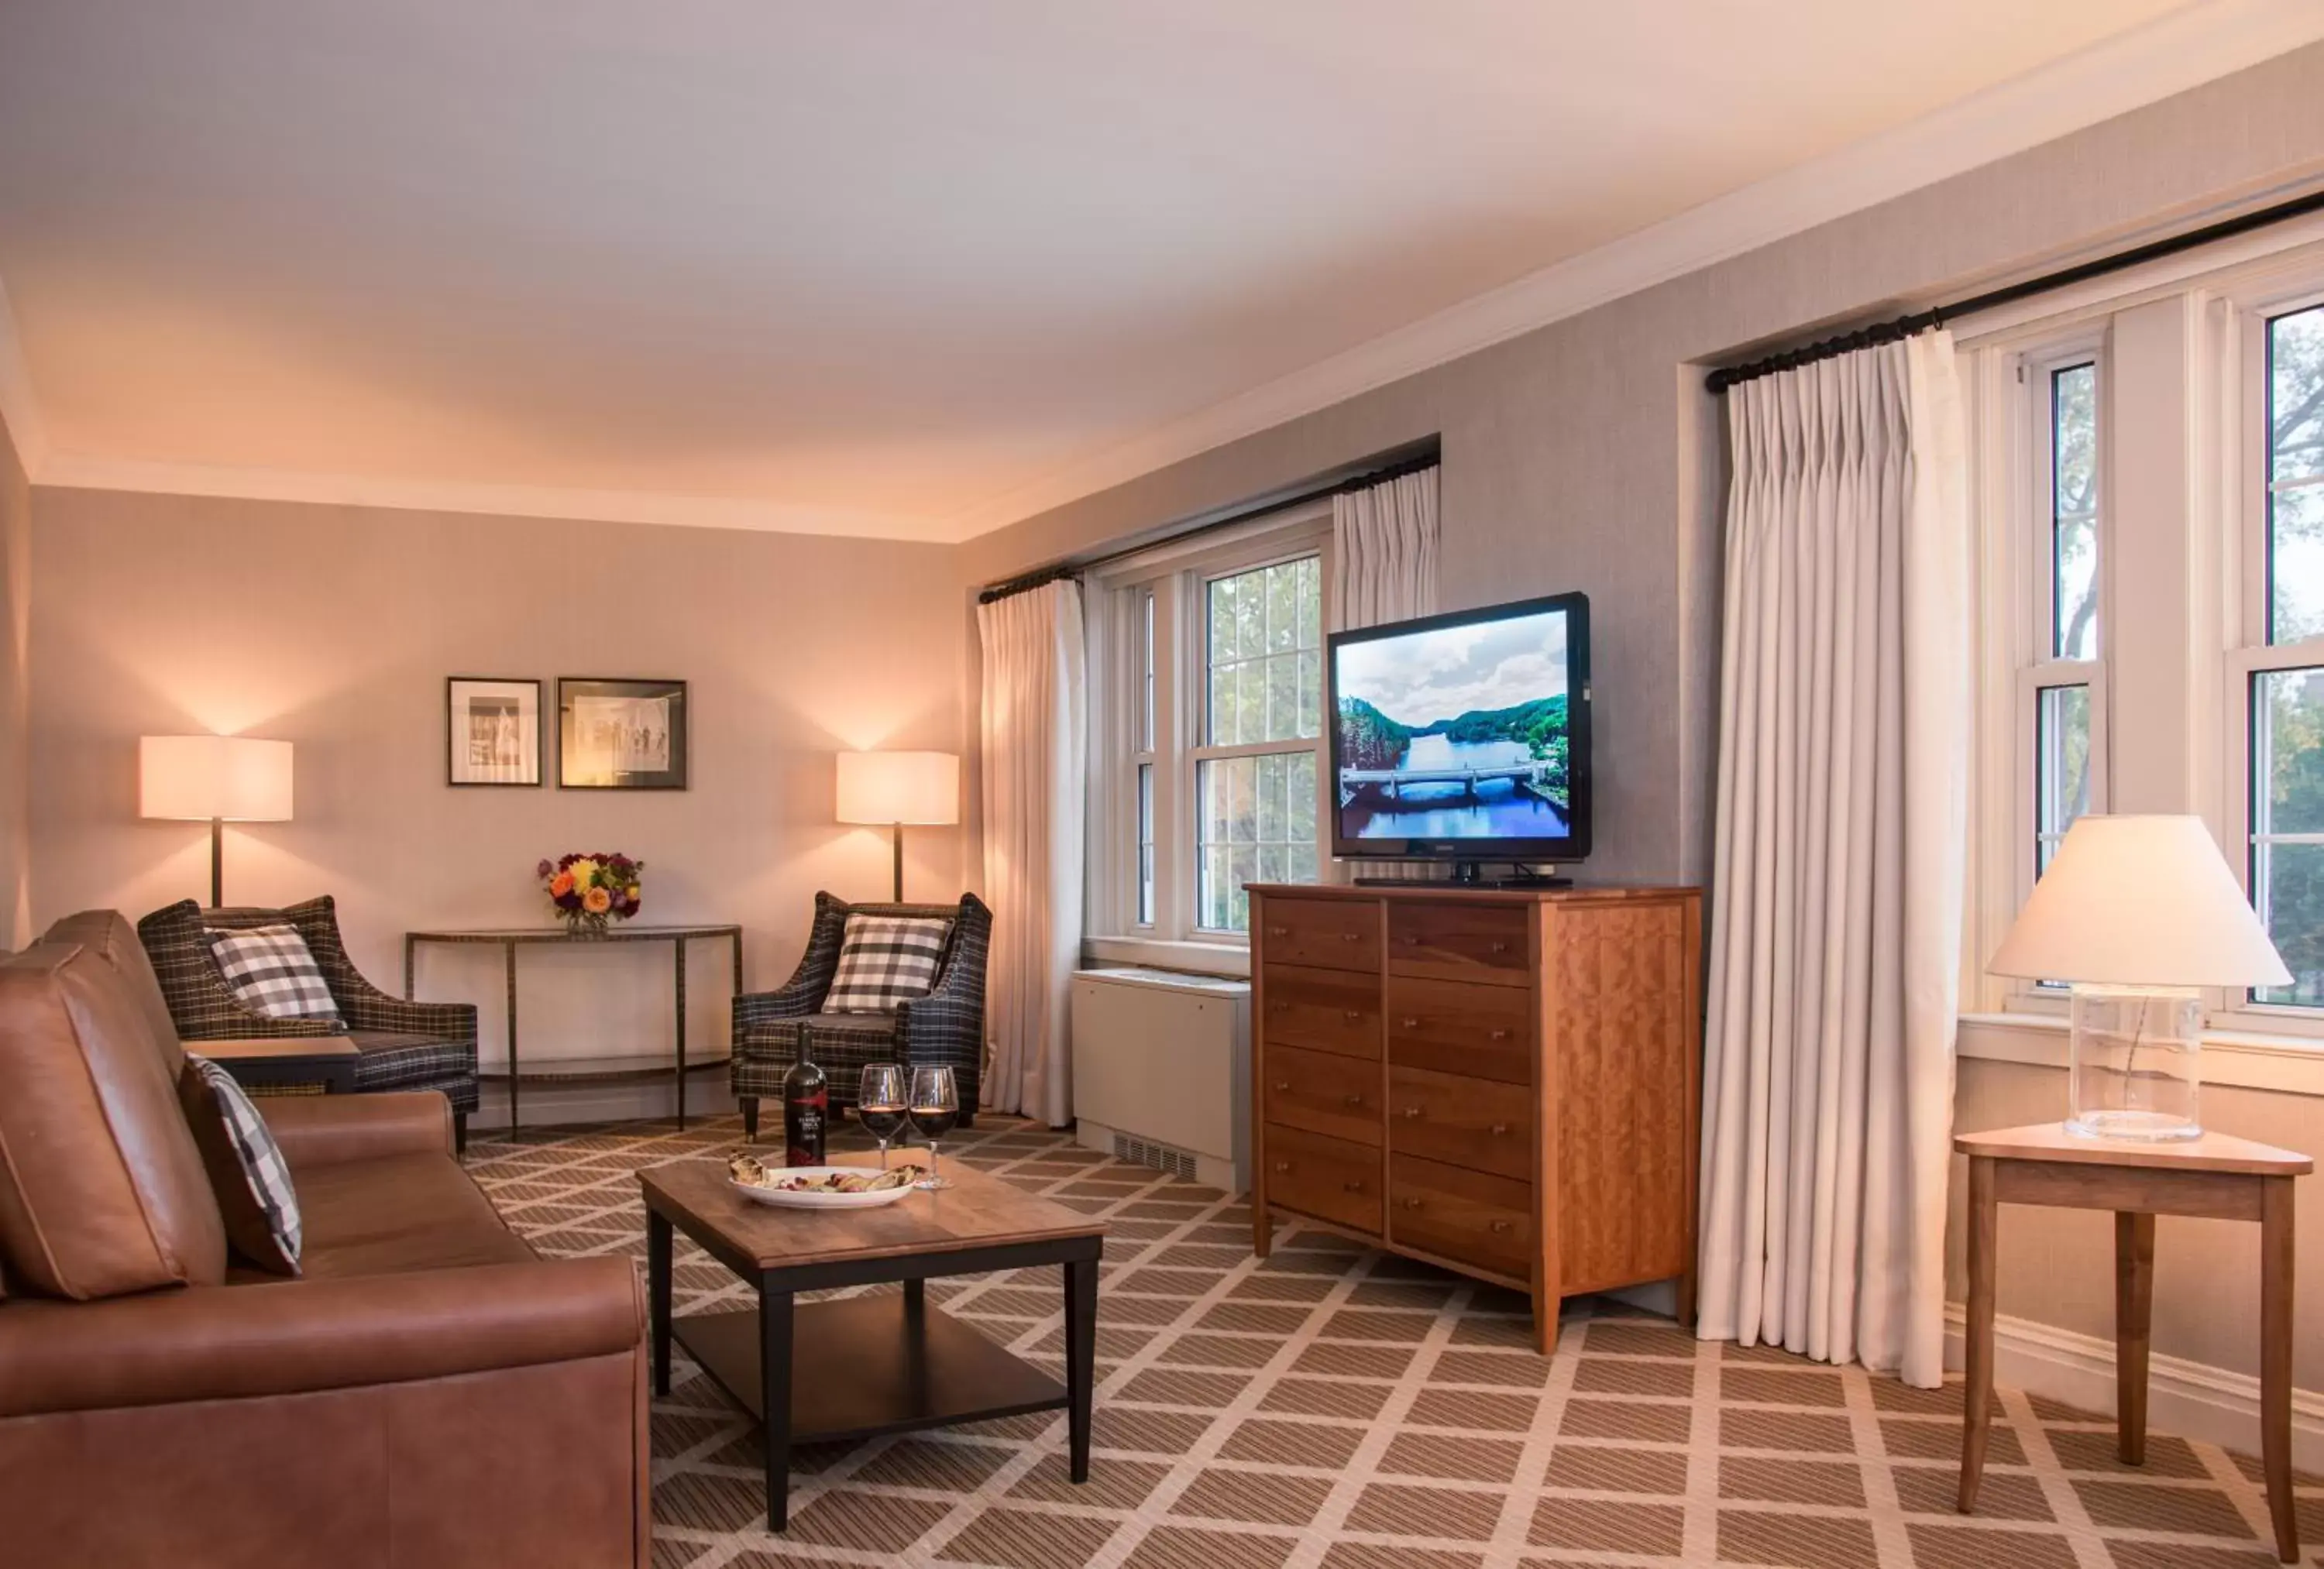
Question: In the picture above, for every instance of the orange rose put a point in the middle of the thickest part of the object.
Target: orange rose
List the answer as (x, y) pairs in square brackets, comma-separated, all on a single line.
[(561, 884), (596, 900)]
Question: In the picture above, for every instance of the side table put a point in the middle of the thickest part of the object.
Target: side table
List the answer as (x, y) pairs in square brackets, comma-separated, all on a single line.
[(286, 1064), (2215, 1177)]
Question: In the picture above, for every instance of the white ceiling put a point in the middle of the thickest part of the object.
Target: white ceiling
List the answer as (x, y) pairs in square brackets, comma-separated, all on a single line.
[(905, 267)]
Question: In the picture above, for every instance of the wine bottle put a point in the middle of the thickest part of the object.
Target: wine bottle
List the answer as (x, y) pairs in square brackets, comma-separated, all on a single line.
[(807, 1102)]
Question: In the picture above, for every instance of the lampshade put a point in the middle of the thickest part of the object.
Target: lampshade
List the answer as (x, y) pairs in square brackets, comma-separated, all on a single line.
[(2140, 901), (232, 778), (884, 787)]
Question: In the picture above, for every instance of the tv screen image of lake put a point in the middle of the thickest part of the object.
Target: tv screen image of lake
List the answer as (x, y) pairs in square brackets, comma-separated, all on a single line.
[(1457, 733)]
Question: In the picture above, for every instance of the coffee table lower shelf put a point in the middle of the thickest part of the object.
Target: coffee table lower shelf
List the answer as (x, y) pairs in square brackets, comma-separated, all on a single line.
[(863, 1367)]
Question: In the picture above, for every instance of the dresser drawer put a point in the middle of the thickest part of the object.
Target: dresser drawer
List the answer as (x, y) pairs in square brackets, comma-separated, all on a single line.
[(1332, 933), (1467, 1217), (1330, 1178), (1484, 942), (1479, 1032), (1328, 1009), (1475, 1123), (1322, 1093)]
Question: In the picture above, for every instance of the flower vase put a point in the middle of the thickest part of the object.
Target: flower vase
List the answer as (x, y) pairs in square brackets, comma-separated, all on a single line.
[(584, 923)]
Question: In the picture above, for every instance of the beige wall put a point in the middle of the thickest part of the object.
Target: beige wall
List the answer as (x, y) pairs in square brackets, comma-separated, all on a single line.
[(335, 628), (1585, 455), (15, 591)]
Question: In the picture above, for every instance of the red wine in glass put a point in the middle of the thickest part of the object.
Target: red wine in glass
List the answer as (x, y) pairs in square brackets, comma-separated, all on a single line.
[(880, 1104), (880, 1122), (935, 1103)]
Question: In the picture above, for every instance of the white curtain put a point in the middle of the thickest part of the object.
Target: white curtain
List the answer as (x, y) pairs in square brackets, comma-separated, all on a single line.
[(1035, 765), (1384, 552), (1837, 891)]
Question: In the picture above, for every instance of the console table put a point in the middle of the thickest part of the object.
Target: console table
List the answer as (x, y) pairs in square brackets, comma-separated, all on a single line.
[(594, 1069)]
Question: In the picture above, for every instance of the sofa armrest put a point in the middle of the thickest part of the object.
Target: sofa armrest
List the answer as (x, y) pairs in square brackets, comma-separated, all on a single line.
[(223, 1343), (330, 1130), (373, 1009)]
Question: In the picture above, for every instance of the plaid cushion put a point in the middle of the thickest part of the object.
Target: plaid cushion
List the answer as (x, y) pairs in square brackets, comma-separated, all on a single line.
[(274, 1230), (271, 969), (885, 959)]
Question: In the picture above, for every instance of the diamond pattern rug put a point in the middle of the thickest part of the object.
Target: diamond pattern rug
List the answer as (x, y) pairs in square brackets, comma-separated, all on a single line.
[(1335, 1407)]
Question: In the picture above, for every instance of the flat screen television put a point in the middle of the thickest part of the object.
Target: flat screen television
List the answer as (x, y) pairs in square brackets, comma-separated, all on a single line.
[(1463, 737)]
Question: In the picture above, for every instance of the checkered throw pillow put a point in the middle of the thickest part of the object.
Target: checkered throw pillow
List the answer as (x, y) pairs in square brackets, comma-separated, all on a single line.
[(886, 959), (245, 1165), (271, 970)]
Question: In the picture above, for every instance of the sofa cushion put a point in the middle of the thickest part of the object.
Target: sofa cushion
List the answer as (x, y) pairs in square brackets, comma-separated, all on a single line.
[(109, 934), (273, 972), (248, 1175), (396, 1214), (102, 1190)]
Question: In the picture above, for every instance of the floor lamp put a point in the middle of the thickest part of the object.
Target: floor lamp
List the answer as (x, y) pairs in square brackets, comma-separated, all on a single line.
[(894, 788), (216, 779)]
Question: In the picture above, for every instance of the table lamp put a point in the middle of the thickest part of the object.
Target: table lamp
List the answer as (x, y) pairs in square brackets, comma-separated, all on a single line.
[(895, 788), (219, 778), (2139, 913)]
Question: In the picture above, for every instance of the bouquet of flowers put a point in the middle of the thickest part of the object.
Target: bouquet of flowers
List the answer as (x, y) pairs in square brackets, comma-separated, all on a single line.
[(589, 891)]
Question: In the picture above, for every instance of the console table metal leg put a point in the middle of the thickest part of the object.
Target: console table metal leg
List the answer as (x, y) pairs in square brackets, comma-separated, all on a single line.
[(407, 967), (511, 949), (1080, 1359), (678, 945), (775, 1390), (659, 1243)]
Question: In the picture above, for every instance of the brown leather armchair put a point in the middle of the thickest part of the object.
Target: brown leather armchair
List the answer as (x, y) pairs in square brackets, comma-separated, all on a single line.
[(428, 1392)]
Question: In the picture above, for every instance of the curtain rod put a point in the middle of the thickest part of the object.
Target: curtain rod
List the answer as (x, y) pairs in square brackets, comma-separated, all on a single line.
[(1364, 474), (1904, 326)]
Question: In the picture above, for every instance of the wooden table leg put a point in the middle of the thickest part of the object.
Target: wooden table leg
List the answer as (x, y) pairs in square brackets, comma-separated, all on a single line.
[(511, 1036), (658, 1244), (775, 1389), (1080, 1359), (1977, 1402), (2133, 1321), (679, 944), (2275, 1361)]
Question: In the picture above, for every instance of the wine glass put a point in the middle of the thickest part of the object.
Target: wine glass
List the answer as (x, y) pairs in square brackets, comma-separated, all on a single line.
[(935, 1106), (880, 1104)]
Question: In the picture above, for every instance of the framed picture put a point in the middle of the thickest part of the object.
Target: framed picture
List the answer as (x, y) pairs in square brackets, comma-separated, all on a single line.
[(492, 730), (621, 735)]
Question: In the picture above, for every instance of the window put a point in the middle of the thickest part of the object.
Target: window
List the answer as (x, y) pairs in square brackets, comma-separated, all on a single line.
[(1209, 728), (2285, 700)]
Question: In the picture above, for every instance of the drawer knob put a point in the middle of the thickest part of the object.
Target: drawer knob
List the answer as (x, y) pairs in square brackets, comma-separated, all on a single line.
[(1410, 940), (1500, 1035), (1278, 1007), (1282, 1086), (1500, 1225), (1501, 948), (1283, 1165), (1352, 1014), (1409, 1024), (1353, 1099), (1500, 1128), (1351, 936), (1411, 1111), (1352, 1188), (1412, 1204), (1279, 931)]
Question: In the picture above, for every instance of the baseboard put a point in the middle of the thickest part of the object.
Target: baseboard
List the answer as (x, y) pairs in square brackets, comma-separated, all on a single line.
[(2190, 1398)]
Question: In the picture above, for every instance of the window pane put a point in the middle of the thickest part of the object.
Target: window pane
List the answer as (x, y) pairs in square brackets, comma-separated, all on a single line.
[(2074, 512), (1265, 639), (2287, 810), (1146, 844), (2295, 461), (2062, 790), (1145, 669), (1259, 818)]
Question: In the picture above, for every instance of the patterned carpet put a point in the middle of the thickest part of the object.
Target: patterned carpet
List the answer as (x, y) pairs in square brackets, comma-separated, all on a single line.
[(1336, 1409)]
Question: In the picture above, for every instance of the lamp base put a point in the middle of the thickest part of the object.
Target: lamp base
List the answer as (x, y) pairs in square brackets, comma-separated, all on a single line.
[(2136, 1063)]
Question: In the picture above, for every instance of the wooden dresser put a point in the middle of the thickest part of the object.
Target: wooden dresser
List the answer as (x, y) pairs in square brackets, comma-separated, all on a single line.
[(1504, 1082)]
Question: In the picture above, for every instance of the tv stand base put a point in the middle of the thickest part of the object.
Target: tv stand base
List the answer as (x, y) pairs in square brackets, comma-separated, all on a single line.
[(1470, 875)]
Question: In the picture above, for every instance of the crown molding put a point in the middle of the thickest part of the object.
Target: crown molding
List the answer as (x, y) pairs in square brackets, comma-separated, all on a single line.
[(2166, 56), (2183, 50), (64, 470)]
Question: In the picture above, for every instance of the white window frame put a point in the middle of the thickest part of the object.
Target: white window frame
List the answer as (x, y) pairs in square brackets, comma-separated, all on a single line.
[(2223, 298), (1177, 576)]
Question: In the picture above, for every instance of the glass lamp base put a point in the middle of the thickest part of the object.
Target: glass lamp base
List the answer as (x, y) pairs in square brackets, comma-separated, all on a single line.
[(2135, 1070)]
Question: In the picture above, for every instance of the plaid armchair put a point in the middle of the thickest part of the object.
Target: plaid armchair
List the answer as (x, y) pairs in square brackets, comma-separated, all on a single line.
[(944, 1028), (402, 1045)]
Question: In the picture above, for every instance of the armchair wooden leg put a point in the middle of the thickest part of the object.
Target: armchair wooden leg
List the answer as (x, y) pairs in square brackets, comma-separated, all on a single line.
[(750, 1117)]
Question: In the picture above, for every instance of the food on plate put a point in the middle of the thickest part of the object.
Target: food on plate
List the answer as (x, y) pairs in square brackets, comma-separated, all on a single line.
[(747, 1169), (865, 1181)]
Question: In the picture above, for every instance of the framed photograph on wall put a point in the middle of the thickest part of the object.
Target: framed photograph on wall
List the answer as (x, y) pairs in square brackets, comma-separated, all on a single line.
[(492, 730), (621, 735)]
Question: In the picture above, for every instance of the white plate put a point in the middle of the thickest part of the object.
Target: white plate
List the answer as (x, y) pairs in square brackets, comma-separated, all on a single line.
[(781, 1200)]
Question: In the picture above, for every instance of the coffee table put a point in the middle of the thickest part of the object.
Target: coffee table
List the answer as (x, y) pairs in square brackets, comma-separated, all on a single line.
[(860, 1367)]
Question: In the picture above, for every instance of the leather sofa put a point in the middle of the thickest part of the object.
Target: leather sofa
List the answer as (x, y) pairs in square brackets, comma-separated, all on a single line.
[(427, 1392)]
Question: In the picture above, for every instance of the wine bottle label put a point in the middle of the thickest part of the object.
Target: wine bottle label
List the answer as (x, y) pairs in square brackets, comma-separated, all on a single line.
[(803, 1129)]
